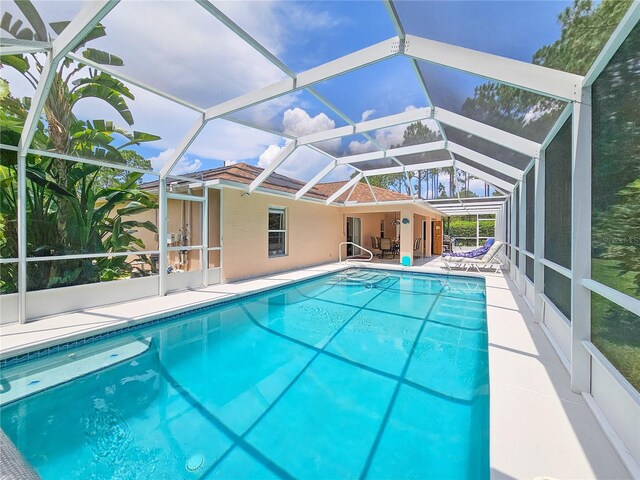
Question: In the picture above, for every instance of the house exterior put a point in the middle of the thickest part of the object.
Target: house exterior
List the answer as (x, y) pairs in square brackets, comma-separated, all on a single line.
[(269, 231)]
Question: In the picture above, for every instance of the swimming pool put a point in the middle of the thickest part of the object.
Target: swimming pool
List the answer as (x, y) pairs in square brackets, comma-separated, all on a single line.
[(359, 374)]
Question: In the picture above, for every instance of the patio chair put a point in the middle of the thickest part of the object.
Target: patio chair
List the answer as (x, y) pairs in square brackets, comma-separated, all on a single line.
[(477, 253), (375, 243), (386, 246), (417, 247), (488, 260)]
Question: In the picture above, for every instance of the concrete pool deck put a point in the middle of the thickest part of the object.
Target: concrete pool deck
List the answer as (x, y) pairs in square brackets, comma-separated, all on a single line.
[(540, 429)]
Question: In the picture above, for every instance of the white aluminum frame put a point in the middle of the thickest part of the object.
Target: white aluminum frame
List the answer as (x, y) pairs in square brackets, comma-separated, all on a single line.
[(527, 76), (581, 242)]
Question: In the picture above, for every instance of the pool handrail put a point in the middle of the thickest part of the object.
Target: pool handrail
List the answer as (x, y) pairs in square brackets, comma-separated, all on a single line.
[(352, 259)]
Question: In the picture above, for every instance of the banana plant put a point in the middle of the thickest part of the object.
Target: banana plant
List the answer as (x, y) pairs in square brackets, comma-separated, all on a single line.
[(68, 210)]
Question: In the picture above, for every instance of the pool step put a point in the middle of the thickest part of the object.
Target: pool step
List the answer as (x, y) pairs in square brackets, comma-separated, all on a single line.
[(360, 277)]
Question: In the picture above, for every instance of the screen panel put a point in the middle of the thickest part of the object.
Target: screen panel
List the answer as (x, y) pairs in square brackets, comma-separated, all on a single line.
[(557, 202), (557, 288)]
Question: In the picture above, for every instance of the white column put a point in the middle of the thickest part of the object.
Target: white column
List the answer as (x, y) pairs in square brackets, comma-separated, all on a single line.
[(512, 222), (477, 230), (538, 242), (406, 235), (204, 262), (522, 228), (22, 237), (581, 242), (162, 237)]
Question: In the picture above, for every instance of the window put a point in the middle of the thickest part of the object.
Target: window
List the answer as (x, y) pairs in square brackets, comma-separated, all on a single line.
[(277, 232), (382, 228)]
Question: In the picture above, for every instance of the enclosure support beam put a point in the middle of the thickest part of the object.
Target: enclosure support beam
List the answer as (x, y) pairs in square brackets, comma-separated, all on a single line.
[(522, 244), (487, 132), (162, 236), (408, 150), (77, 29), (204, 255), (485, 160), (279, 160), (196, 128), (527, 76), (513, 204), (319, 176), (581, 242), (483, 175), (344, 188), (22, 238), (402, 34), (361, 58), (538, 241), (408, 168)]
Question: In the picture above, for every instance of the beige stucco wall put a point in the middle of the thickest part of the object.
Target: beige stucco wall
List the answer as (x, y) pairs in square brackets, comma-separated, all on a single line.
[(313, 234), (313, 231)]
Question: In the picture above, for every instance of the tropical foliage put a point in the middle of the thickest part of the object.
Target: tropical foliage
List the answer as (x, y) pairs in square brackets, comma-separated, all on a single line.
[(72, 208)]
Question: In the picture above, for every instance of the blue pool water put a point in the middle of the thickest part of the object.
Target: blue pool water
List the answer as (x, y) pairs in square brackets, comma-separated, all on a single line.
[(367, 374)]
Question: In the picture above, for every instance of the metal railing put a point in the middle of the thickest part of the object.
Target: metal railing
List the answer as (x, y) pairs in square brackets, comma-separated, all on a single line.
[(354, 259)]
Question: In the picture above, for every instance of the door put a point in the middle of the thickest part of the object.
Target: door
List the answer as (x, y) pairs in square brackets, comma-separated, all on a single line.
[(436, 243), (354, 234)]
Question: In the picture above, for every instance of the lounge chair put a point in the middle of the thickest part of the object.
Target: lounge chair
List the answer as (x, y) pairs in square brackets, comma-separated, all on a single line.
[(489, 260), (447, 243), (478, 252)]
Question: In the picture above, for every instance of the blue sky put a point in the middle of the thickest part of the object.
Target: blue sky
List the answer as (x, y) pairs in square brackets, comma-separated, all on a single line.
[(179, 48)]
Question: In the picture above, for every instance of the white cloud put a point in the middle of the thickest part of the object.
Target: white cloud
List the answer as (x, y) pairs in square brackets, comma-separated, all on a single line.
[(356, 147), (230, 142), (183, 51), (366, 114), (304, 162), (184, 165), (298, 122), (269, 155)]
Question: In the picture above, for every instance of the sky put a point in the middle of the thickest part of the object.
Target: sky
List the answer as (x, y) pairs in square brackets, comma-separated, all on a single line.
[(179, 48)]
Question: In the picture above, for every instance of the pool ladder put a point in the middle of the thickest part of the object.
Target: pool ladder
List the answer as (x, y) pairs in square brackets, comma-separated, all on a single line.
[(362, 249)]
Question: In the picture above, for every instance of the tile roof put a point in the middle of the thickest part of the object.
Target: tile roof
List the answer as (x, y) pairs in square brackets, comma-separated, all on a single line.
[(362, 193), (245, 174)]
